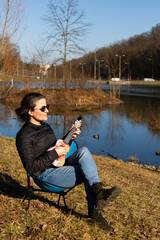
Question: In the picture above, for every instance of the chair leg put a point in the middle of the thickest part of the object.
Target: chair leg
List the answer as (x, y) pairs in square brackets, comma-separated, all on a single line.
[(64, 200), (28, 195), (25, 196), (59, 200), (30, 189), (29, 199)]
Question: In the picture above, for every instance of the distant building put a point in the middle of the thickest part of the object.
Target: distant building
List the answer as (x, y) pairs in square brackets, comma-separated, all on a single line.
[(44, 70)]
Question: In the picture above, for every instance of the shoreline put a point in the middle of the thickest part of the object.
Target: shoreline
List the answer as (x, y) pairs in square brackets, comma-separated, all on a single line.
[(78, 97), (97, 81), (145, 166)]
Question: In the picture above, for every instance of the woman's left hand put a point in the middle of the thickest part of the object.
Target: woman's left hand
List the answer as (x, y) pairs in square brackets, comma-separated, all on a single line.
[(76, 133)]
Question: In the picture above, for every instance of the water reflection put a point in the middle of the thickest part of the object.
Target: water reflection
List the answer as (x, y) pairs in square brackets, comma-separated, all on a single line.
[(115, 128), (8, 123), (123, 130), (143, 111)]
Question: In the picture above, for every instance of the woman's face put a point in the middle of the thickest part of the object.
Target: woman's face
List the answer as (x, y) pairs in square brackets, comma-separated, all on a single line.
[(39, 113)]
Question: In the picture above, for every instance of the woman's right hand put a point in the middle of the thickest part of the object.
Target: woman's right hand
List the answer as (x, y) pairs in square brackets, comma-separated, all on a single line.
[(62, 150)]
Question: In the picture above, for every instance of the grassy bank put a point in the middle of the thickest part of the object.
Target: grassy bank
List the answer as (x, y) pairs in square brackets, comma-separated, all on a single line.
[(145, 83), (134, 214), (65, 97)]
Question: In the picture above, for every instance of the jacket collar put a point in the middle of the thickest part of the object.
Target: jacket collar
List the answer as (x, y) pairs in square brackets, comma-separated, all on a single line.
[(34, 125)]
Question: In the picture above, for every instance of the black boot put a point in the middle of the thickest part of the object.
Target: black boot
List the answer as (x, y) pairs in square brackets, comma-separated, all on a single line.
[(96, 215), (104, 196)]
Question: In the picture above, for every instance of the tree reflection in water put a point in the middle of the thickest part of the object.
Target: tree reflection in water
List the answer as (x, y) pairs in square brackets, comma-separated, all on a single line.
[(123, 130)]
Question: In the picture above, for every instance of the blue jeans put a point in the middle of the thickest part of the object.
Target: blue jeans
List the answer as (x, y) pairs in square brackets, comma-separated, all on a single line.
[(79, 168)]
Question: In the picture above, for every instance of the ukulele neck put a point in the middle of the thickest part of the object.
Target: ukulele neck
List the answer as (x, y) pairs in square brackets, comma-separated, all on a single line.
[(69, 135)]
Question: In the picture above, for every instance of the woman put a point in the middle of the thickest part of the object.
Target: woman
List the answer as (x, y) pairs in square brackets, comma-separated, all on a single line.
[(36, 137)]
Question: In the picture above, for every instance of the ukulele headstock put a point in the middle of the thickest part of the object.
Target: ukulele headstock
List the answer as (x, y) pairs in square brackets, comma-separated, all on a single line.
[(78, 122)]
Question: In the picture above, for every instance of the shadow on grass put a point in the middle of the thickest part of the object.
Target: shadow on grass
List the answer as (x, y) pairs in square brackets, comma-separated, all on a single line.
[(13, 188)]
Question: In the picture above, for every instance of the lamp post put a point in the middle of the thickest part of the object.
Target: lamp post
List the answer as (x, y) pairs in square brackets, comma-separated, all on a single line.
[(70, 71), (150, 59), (120, 56), (55, 71), (95, 64), (99, 68), (109, 72), (82, 66)]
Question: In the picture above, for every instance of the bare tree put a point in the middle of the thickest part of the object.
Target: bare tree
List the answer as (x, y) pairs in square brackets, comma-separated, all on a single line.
[(39, 54), (11, 17), (66, 29)]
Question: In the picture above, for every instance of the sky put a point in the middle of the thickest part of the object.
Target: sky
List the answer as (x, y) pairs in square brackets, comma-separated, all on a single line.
[(112, 21)]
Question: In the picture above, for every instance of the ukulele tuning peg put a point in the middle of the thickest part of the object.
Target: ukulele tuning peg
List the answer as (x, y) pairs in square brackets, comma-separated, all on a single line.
[(80, 118)]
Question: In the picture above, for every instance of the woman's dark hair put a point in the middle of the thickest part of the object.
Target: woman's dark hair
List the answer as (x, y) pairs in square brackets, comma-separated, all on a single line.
[(27, 103)]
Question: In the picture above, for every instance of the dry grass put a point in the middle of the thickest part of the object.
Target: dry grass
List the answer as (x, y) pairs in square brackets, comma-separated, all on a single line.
[(61, 97), (145, 83), (135, 214)]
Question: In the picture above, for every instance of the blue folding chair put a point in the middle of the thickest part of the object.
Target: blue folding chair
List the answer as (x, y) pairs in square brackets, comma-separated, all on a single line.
[(48, 187)]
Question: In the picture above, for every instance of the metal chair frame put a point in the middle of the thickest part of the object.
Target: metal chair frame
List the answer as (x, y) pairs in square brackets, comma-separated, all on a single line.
[(31, 189)]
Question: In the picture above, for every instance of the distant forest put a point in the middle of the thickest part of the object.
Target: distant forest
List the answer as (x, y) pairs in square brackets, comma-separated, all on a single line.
[(136, 58), (141, 60)]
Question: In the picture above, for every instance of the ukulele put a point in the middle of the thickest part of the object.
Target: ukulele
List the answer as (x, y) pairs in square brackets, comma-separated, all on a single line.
[(65, 141)]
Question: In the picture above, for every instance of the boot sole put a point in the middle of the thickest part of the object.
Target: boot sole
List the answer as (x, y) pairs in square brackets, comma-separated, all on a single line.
[(102, 203), (96, 217)]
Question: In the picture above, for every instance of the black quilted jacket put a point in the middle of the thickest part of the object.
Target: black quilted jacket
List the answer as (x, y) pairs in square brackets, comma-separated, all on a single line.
[(32, 141)]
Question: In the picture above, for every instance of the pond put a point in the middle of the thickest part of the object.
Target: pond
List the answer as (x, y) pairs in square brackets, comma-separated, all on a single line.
[(121, 131)]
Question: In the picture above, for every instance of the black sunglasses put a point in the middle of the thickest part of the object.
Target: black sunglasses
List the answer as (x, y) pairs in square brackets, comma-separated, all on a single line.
[(42, 109)]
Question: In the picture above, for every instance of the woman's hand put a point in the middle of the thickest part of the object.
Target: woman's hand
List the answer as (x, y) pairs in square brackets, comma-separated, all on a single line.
[(62, 150), (76, 133)]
